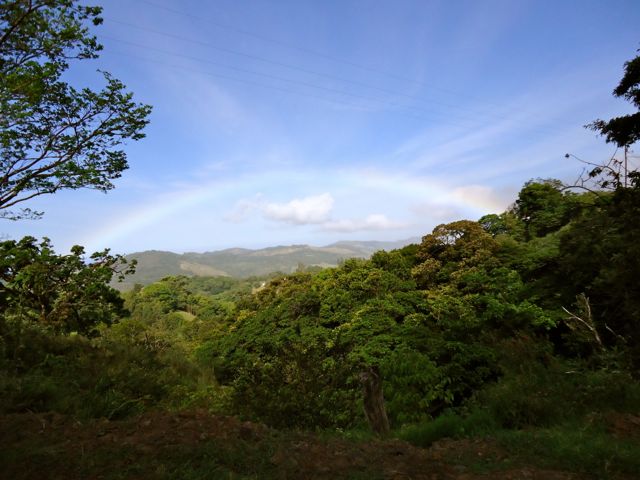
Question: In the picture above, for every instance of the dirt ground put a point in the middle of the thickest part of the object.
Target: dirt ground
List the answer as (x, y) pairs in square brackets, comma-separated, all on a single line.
[(188, 445)]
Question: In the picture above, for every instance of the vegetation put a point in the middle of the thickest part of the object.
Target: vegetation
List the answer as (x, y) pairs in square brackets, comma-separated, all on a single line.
[(624, 130), (475, 332), (519, 330), (59, 291), (52, 135)]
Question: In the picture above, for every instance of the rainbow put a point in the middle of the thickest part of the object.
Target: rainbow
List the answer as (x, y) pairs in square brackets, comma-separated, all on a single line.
[(472, 200)]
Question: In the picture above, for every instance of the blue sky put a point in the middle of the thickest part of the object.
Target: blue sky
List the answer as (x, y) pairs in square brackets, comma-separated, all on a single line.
[(288, 122)]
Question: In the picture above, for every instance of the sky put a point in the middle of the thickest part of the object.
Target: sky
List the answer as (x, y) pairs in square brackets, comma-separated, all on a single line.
[(280, 122)]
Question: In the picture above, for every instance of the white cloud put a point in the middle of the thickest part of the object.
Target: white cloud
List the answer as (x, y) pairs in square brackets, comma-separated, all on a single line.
[(371, 222), (313, 209), (310, 210)]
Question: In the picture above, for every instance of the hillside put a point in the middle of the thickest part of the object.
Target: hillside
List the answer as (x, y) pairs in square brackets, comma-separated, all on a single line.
[(242, 263)]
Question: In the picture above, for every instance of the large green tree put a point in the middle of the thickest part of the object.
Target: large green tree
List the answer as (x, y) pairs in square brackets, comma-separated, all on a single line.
[(544, 207), (52, 135)]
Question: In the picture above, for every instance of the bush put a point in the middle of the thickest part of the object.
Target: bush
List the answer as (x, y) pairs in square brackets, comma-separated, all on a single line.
[(548, 396), (106, 377), (576, 448), (449, 425)]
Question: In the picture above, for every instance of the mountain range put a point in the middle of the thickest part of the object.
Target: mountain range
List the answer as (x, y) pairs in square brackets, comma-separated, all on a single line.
[(242, 263)]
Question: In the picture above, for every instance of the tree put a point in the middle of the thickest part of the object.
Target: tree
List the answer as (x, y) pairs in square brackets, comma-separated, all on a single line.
[(316, 350), (59, 291), (543, 207), (624, 130), (450, 246), (601, 255), (52, 135)]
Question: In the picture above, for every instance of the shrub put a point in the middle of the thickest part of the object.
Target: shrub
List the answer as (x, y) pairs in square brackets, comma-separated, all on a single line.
[(449, 425)]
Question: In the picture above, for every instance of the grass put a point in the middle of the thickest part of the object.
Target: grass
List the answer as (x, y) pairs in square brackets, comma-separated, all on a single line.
[(206, 460), (356, 435), (449, 425), (590, 451), (575, 446)]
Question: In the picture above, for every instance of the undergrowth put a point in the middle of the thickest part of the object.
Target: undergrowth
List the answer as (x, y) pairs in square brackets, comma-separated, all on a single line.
[(98, 378), (550, 417)]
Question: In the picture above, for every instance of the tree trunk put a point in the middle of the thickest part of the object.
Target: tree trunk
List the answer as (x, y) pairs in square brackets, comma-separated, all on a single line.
[(374, 401)]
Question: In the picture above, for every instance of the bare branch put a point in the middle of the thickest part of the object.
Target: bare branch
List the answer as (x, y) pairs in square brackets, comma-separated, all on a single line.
[(619, 337), (587, 322)]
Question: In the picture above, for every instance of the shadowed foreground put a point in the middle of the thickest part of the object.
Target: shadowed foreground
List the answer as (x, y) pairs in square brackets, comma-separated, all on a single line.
[(200, 445)]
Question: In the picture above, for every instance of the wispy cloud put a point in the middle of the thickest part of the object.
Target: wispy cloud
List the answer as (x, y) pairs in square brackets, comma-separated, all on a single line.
[(205, 104), (531, 120)]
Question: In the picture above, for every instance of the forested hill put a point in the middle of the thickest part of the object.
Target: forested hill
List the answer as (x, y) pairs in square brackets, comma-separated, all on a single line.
[(242, 263)]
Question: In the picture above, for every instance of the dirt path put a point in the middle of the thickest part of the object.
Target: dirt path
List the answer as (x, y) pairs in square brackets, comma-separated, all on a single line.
[(200, 445)]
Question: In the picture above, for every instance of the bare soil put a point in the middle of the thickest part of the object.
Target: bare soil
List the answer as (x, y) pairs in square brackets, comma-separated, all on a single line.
[(200, 445)]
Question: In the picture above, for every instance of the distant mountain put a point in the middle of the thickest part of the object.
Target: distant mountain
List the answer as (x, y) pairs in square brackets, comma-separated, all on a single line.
[(373, 246), (241, 262)]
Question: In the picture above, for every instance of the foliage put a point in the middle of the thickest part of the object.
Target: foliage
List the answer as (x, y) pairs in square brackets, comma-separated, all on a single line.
[(506, 223), (52, 135), (306, 338), (444, 323), (60, 291), (624, 130), (448, 425), (523, 326), (469, 332), (543, 207), (605, 268), (69, 375), (579, 447)]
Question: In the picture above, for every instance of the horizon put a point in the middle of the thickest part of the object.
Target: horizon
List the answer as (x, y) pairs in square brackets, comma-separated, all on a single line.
[(304, 123), (267, 247)]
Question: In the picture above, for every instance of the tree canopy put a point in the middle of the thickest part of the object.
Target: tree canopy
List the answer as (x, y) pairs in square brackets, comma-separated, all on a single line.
[(59, 291), (52, 135)]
